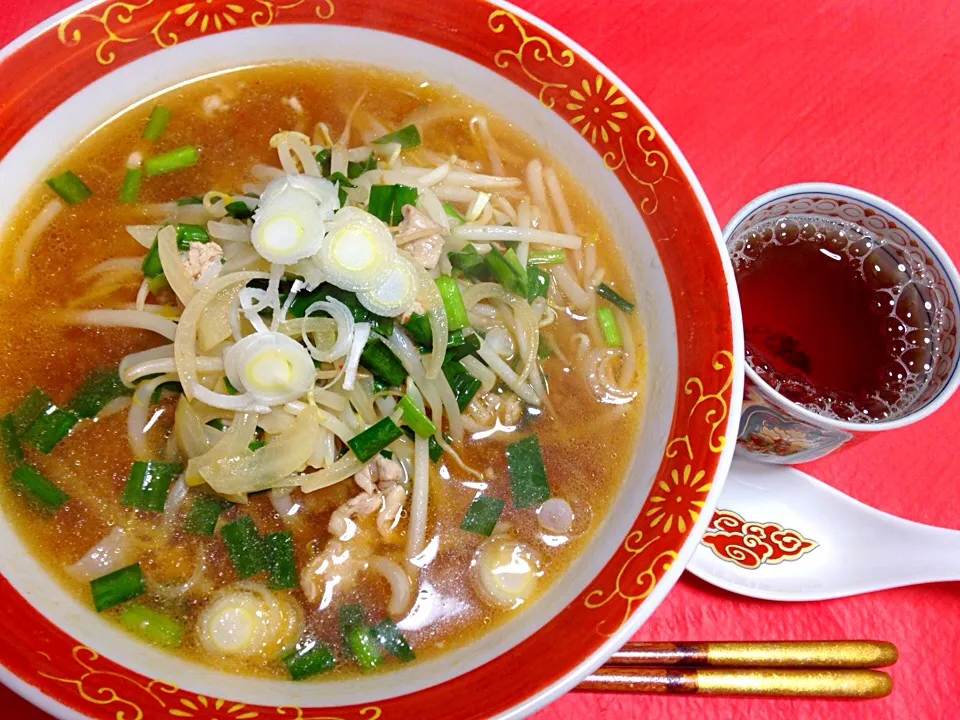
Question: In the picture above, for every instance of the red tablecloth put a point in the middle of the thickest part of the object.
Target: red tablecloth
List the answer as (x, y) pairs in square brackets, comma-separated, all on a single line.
[(760, 94)]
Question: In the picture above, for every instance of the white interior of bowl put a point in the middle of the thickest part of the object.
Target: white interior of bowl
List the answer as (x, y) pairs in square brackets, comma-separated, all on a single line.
[(65, 126)]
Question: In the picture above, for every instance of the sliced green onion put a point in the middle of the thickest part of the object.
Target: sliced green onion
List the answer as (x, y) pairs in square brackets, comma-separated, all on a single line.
[(470, 344), (608, 293), (159, 117), (238, 210), (282, 565), (70, 188), (130, 189), (538, 282), (323, 159), (381, 325), (470, 263), (173, 386), (117, 587), (508, 270), (390, 637), (342, 182), (608, 326), (554, 256), (231, 390), (100, 387), (204, 512), (463, 384), (153, 626), (50, 428), (148, 483), (452, 302), (435, 449), (39, 487), (244, 546), (35, 404), (374, 439), (356, 169), (190, 200), (256, 445), (151, 265), (187, 234), (482, 515), (309, 658), (543, 349), (387, 454), (362, 644), (415, 418), (177, 159), (380, 360), (528, 476), (452, 212), (158, 283), (217, 424), (405, 137), (9, 442), (387, 201)]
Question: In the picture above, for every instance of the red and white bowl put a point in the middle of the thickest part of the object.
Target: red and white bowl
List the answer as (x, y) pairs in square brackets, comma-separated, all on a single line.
[(77, 69)]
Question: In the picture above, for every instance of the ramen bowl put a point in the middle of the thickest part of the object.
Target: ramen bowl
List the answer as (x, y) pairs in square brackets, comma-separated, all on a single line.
[(79, 68)]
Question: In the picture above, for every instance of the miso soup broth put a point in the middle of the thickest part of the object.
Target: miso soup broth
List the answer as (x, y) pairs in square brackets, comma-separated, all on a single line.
[(312, 370)]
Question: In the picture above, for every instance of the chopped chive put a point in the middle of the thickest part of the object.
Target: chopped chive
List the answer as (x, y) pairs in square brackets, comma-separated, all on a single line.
[(608, 326), (538, 282), (380, 360), (482, 515), (173, 386), (204, 512), (323, 159), (217, 424), (405, 137), (35, 404), (310, 657), (231, 390), (452, 302), (470, 263), (387, 201), (100, 387), (470, 344), (151, 265), (256, 445), (117, 587), (70, 188), (130, 189), (342, 182), (153, 626), (393, 641), (10, 443), (187, 234), (148, 483), (508, 271), (435, 449), (190, 200), (244, 546), (374, 439), (50, 428), (415, 418), (362, 643), (177, 159), (281, 561), (418, 325), (159, 117), (608, 293), (452, 212), (38, 487), (356, 169), (463, 384), (239, 210), (554, 256), (528, 476)]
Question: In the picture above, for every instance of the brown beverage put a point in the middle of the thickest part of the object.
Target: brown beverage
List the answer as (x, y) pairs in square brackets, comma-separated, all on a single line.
[(835, 318)]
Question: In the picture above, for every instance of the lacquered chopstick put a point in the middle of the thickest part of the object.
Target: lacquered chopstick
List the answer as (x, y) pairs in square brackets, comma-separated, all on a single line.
[(823, 654), (767, 682)]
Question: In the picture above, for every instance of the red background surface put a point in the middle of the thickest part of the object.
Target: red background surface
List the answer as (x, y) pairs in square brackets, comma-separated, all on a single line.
[(757, 95)]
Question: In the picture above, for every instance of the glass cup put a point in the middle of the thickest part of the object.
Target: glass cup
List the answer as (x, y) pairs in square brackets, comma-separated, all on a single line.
[(773, 429)]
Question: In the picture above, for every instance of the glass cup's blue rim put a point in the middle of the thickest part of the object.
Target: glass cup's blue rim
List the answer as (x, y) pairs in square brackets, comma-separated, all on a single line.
[(905, 220)]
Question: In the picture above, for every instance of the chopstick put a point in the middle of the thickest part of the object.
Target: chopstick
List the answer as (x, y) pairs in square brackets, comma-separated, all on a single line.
[(788, 669)]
